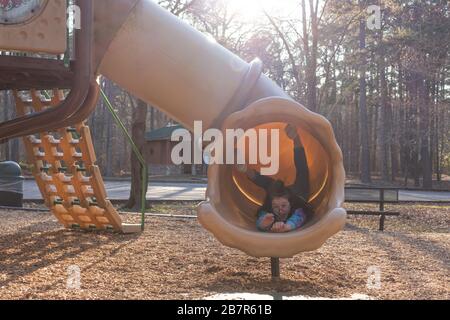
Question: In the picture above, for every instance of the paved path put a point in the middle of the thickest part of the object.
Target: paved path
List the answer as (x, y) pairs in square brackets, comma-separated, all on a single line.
[(119, 190)]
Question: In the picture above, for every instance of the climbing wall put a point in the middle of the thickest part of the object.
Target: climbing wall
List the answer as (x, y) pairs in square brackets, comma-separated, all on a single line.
[(64, 166)]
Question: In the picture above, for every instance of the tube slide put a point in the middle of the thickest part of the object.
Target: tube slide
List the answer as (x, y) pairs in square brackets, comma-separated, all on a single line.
[(172, 66)]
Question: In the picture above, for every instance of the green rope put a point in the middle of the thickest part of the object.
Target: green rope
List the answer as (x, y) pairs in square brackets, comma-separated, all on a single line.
[(136, 152)]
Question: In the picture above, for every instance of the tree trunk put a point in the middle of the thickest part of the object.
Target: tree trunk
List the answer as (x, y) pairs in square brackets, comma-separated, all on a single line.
[(402, 123), (382, 127), (425, 133), (392, 137), (100, 120), (373, 123), (109, 136), (311, 52), (152, 118), (416, 131), (363, 125), (138, 128), (433, 136)]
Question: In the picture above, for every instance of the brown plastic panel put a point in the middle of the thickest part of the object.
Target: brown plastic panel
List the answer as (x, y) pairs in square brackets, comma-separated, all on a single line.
[(46, 32)]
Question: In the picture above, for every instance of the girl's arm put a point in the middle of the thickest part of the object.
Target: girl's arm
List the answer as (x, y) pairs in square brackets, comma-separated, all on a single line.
[(296, 220), (301, 184), (260, 180), (265, 220)]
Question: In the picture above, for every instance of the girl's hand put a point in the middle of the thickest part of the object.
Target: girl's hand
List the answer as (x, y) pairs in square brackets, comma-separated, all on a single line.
[(251, 173), (242, 168), (291, 132), (278, 227), (268, 220), (287, 227)]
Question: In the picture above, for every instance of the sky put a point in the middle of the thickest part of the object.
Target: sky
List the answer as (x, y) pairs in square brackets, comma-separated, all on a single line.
[(253, 8)]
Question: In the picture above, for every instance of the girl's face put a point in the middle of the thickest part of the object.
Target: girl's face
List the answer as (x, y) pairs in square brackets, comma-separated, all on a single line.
[(281, 206)]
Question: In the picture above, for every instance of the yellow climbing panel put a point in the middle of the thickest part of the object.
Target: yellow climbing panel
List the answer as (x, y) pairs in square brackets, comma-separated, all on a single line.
[(64, 166)]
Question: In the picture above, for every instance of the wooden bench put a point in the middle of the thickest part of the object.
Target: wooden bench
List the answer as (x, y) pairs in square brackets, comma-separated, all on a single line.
[(372, 195)]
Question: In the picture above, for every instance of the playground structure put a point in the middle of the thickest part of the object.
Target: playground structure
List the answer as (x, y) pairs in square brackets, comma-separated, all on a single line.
[(163, 61), (79, 199)]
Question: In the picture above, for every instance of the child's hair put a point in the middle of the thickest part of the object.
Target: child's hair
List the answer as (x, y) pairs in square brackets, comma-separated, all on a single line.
[(278, 189)]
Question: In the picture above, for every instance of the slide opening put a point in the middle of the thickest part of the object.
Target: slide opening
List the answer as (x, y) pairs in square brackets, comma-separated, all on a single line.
[(241, 197)]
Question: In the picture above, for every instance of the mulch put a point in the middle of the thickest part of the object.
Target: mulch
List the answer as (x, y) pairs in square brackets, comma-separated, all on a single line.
[(176, 258)]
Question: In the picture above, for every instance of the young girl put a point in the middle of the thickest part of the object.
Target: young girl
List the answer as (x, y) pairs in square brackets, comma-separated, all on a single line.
[(285, 207), (284, 214)]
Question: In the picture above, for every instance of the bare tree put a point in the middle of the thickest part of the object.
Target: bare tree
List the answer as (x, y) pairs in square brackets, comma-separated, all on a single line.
[(138, 128), (363, 124)]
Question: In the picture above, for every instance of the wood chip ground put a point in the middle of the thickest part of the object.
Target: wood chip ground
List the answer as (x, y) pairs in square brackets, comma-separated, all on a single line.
[(177, 259)]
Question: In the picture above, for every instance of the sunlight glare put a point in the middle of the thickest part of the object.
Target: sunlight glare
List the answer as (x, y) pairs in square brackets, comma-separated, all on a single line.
[(252, 9)]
